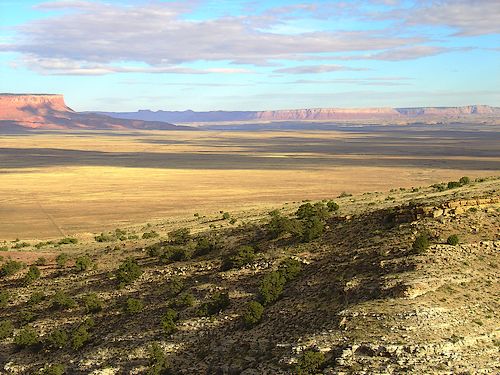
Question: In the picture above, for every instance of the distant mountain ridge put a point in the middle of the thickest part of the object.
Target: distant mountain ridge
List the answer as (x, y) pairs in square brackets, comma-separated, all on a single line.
[(20, 112), (322, 114)]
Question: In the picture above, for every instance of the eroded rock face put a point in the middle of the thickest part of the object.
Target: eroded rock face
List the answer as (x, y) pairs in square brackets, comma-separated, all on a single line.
[(49, 111)]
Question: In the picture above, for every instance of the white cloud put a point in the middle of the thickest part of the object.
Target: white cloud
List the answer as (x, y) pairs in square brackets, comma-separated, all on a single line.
[(94, 37), (306, 69)]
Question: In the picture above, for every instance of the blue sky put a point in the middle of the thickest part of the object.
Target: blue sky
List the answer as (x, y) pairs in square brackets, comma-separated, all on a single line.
[(252, 55)]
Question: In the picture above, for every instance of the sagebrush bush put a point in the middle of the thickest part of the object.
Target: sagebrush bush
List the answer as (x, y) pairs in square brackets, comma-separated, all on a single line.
[(158, 363), (149, 235), (310, 362), (32, 275), (168, 321), (206, 245), (92, 303), (271, 287), (133, 306), (453, 240), (6, 329), (62, 259), (56, 369), (67, 241), (421, 244), (332, 206), (290, 268), (60, 300), (83, 263), (81, 335), (128, 271), (11, 267), (219, 302), (57, 339), (184, 300), (253, 314), (280, 225), (4, 298), (36, 298), (27, 337), (242, 256), (179, 236)]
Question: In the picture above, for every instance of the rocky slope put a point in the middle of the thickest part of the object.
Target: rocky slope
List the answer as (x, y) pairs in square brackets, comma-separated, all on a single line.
[(45, 111), (364, 300), (423, 114)]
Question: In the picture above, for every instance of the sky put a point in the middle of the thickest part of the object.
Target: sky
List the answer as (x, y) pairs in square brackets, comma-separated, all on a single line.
[(252, 55)]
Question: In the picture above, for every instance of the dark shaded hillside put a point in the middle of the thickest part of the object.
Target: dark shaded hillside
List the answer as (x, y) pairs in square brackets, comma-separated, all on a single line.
[(345, 286)]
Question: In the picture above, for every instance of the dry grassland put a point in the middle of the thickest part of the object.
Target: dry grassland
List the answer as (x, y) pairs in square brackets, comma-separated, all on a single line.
[(54, 184)]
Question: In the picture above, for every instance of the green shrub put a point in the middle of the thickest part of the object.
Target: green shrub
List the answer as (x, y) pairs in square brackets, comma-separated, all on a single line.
[(133, 306), (20, 245), (6, 329), (62, 259), (290, 268), (310, 362), (313, 228), (332, 206), (179, 236), (4, 298), (464, 180), (226, 216), (280, 225), (177, 254), (184, 300), (60, 300), (175, 285), (27, 337), (27, 316), (67, 241), (242, 256), (440, 187), (420, 244), (219, 302), (57, 339), (83, 263), (307, 211), (206, 245), (36, 298), (92, 303), (149, 235), (128, 272), (253, 314), (453, 240), (105, 237), (10, 268), (158, 363), (154, 250), (41, 261), (453, 184), (4, 248), (57, 369), (81, 335), (168, 321), (271, 287), (32, 275), (344, 195)]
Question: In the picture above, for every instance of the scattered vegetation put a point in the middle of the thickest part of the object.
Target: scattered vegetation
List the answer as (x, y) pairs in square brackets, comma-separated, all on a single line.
[(453, 240), (253, 314), (133, 306), (92, 303), (6, 329), (32, 275), (421, 243), (83, 263), (219, 302), (168, 321), (310, 362), (242, 256), (11, 267), (27, 337), (128, 272)]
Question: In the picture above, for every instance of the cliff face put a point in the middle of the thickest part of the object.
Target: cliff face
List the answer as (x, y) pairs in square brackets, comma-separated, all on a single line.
[(45, 111), (431, 114)]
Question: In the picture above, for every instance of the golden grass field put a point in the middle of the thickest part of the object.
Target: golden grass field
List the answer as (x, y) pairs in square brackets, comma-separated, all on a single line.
[(55, 184)]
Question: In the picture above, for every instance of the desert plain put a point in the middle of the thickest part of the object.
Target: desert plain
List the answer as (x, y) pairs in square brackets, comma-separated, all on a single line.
[(61, 183)]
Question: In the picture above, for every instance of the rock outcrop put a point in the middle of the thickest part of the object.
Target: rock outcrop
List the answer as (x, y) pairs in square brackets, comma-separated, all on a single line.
[(19, 112), (418, 114)]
